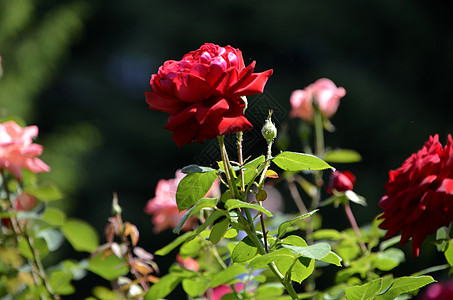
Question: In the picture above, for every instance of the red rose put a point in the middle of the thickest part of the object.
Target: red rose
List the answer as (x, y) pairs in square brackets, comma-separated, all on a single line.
[(419, 198), (202, 93), (341, 182)]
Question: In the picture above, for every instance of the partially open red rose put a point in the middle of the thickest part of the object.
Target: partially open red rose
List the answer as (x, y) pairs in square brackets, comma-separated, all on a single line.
[(202, 93), (419, 198), (341, 182)]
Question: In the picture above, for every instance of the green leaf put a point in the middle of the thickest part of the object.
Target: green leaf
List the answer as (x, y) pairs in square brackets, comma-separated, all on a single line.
[(193, 187), (163, 287), (284, 226), (269, 290), (293, 161), (250, 168), (178, 241), (352, 196), (219, 230), (404, 285), (235, 203), (389, 259), (294, 240), (61, 282), (244, 250), (342, 156), (54, 216), (80, 235), (365, 291), (109, 267), (303, 268), (195, 286), (39, 245), (449, 253), (327, 234), (202, 203), (231, 233), (390, 242), (283, 258), (191, 248), (316, 251), (227, 275), (54, 238), (104, 293), (196, 169), (211, 219), (332, 258), (45, 192)]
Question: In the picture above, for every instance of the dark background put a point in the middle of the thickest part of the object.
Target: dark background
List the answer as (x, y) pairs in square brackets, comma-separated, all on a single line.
[(81, 78)]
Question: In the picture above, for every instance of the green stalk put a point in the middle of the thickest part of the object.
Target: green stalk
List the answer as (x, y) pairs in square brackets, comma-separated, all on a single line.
[(19, 231), (251, 231)]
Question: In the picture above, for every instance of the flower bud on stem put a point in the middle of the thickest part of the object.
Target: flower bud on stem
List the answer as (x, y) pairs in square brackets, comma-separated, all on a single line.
[(250, 229)]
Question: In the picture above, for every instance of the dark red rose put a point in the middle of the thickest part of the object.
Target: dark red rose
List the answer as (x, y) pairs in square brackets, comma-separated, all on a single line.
[(202, 93), (419, 198), (341, 182)]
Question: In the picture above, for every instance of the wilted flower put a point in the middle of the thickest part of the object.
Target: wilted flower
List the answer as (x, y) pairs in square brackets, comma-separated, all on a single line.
[(439, 291), (17, 150), (203, 93), (419, 198), (323, 93), (341, 182), (163, 206)]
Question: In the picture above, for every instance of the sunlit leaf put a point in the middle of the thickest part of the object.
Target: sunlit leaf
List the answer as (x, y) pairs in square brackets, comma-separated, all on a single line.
[(316, 251), (342, 156), (365, 291), (196, 169), (284, 226), (219, 230), (199, 205), (163, 287), (235, 203), (389, 259), (81, 235), (54, 216), (195, 286), (193, 187), (244, 250), (61, 282), (404, 285), (227, 275), (175, 243), (293, 161), (108, 267), (45, 192)]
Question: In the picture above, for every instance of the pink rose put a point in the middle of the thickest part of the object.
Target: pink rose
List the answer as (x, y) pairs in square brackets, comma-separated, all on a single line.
[(438, 291), (17, 150), (202, 93), (163, 206), (188, 263), (218, 292), (323, 93)]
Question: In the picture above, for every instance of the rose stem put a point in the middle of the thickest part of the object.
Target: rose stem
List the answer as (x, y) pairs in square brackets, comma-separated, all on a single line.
[(347, 209)]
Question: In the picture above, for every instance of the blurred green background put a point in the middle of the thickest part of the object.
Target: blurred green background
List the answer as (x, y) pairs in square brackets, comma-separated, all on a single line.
[(79, 69)]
